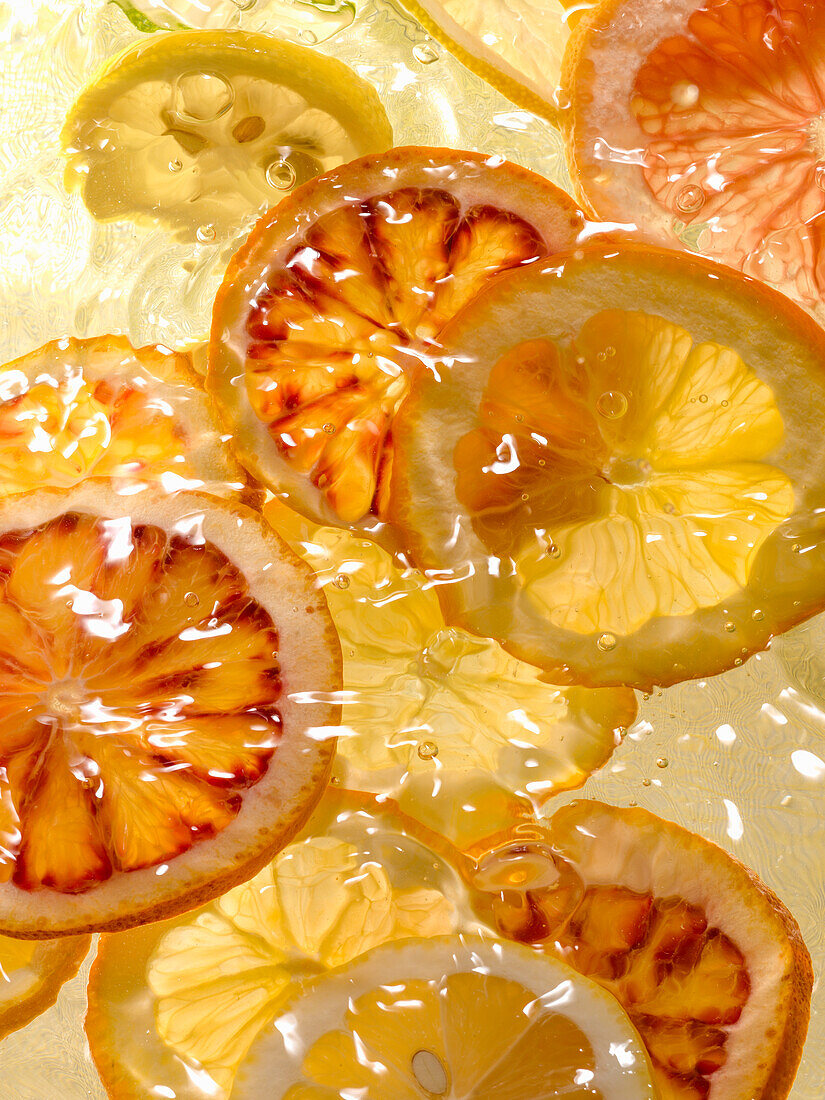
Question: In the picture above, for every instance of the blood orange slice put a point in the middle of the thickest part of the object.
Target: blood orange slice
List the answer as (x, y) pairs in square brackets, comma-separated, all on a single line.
[(77, 408), (708, 963), (334, 299), (33, 973), (164, 727), (618, 474), (704, 121)]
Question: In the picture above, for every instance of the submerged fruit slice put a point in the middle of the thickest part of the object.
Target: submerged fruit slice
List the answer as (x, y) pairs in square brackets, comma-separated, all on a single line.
[(459, 1016), (32, 974), (181, 1001), (516, 45), (420, 720), (336, 297), (99, 407), (619, 473), (709, 964), (163, 729), (200, 130), (704, 121)]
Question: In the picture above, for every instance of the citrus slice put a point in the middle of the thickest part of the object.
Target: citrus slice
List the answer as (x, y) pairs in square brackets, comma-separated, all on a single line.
[(200, 130), (704, 121), (618, 473), (333, 300), (32, 974), (419, 719), (165, 725), (709, 964), (99, 407), (179, 1002), (458, 1017), (515, 45)]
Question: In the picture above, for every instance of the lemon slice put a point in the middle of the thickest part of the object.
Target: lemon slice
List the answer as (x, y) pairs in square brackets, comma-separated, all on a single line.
[(32, 974), (201, 130), (458, 1017), (516, 45)]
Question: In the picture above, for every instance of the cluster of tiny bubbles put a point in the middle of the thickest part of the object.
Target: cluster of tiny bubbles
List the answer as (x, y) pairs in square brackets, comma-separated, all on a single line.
[(690, 199), (427, 750), (280, 174), (424, 53), (606, 642), (612, 405), (199, 97)]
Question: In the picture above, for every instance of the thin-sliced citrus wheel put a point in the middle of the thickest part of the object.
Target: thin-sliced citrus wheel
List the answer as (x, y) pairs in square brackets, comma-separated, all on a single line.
[(200, 130), (334, 299), (179, 1002), (709, 964), (99, 407), (457, 1017), (516, 45), (164, 729), (619, 473), (32, 974), (703, 121)]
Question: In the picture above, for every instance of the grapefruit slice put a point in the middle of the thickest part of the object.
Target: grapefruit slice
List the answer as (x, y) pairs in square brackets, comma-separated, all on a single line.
[(459, 1017), (33, 973), (99, 407), (164, 727), (619, 473), (703, 121), (708, 963), (332, 301), (200, 130), (180, 1001), (515, 45)]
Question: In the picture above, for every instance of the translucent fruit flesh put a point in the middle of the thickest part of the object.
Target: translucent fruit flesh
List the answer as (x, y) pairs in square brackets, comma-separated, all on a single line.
[(325, 322), (32, 974)]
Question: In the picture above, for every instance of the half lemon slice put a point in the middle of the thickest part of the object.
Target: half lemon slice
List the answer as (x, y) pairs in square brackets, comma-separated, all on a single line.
[(201, 130), (458, 1017)]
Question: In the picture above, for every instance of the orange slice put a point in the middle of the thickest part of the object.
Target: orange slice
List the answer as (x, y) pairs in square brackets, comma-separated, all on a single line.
[(619, 472), (331, 302), (703, 121), (77, 408), (708, 963), (165, 724), (459, 1017), (32, 974), (179, 1002)]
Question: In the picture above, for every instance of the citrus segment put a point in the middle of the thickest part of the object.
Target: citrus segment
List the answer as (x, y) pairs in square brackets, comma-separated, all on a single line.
[(32, 974), (708, 963), (457, 1017), (203, 985), (516, 45), (601, 486), (701, 120), (329, 306), (150, 759), (99, 407), (200, 130)]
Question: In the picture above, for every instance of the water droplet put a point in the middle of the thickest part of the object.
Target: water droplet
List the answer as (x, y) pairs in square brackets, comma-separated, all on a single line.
[(329, 428), (175, 165), (690, 199), (201, 97), (424, 53), (730, 627), (280, 174), (606, 642), (191, 599), (684, 94), (427, 750), (819, 176), (342, 581), (308, 36), (612, 405), (646, 782), (661, 762), (758, 615), (206, 233), (703, 399)]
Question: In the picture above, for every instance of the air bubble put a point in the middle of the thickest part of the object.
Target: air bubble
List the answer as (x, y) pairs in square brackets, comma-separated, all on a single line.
[(690, 199), (199, 97), (730, 627), (796, 548), (525, 497), (206, 233), (612, 405), (281, 175), (425, 54), (703, 399), (646, 782), (724, 404), (427, 750), (175, 165), (606, 642), (819, 176), (758, 615), (329, 429), (342, 581), (308, 36), (191, 599), (662, 762)]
